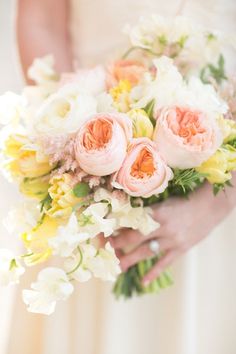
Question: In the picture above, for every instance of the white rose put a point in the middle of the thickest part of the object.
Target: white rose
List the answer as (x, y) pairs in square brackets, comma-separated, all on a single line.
[(52, 285), (12, 106), (65, 111), (10, 269)]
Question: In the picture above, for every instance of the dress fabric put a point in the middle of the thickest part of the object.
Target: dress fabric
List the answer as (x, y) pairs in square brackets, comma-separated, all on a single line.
[(196, 315)]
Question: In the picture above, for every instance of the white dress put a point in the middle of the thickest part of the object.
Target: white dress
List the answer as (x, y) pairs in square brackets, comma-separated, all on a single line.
[(198, 314)]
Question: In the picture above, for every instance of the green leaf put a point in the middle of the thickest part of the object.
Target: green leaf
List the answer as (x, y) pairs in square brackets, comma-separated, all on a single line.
[(149, 108), (214, 71), (13, 264), (220, 187), (81, 190)]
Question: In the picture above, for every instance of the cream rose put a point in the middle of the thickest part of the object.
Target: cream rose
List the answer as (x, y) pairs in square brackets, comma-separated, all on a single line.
[(186, 137), (101, 143), (143, 173)]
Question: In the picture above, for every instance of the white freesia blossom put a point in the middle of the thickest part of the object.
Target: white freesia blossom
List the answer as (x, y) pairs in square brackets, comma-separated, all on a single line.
[(105, 103), (68, 238), (105, 265), (164, 88), (65, 111), (12, 107), (22, 218), (52, 285), (42, 70), (92, 81), (77, 264), (93, 220), (138, 218), (10, 268), (169, 89)]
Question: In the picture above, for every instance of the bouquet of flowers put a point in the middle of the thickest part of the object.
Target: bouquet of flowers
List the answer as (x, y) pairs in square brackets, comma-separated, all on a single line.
[(92, 150)]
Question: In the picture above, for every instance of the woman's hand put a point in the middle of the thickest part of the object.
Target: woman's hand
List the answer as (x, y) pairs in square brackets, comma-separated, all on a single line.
[(184, 223)]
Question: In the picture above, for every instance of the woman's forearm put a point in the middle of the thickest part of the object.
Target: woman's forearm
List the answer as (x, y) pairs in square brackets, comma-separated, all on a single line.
[(42, 28)]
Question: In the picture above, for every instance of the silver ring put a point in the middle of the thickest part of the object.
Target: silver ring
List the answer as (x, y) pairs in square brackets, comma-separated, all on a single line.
[(154, 246)]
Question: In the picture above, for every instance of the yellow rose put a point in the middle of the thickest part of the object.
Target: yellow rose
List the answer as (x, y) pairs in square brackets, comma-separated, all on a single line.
[(36, 241), (121, 95), (218, 167), (63, 198), (228, 127), (142, 126), (35, 187)]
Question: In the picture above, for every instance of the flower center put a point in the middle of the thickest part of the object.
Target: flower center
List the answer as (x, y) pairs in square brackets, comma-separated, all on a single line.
[(144, 165), (98, 134), (186, 124)]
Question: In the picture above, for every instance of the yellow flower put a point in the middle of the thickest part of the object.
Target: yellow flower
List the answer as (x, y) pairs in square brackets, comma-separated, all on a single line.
[(35, 187), (26, 161), (228, 127), (36, 241), (218, 167), (121, 95), (13, 145), (63, 198), (142, 125)]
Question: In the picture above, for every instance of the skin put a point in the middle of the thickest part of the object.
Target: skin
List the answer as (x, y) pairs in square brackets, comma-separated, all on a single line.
[(184, 223)]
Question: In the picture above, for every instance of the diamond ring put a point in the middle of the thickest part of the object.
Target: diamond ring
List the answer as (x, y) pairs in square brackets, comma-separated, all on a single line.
[(154, 246)]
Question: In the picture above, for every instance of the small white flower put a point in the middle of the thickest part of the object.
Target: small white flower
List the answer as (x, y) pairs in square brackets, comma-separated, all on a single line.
[(11, 108), (10, 269), (105, 103), (68, 238), (52, 285), (42, 70), (92, 81), (105, 265), (77, 265), (93, 220), (125, 215), (65, 111)]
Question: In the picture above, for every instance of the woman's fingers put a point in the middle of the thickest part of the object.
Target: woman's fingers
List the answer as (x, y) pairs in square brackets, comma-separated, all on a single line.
[(159, 267), (129, 237), (142, 252)]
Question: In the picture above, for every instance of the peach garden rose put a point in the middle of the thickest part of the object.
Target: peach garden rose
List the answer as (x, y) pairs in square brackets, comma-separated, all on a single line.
[(144, 172), (130, 70), (101, 143), (186, 137)]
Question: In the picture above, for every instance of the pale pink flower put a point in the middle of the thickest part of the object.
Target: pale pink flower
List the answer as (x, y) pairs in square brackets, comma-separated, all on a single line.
[(131, 70), (186, 137), (101, 143), (143, 173)]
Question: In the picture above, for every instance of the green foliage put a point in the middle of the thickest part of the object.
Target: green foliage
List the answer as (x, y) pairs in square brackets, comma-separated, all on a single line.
[(129, 283), (219, 187), (217, 72), (232, 143), (187, 180), (149, 109), (81, 190), (45, 203)]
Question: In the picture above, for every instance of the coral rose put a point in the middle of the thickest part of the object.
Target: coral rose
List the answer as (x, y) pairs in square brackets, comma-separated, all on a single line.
[(186, 137), (144, 173), (101, 143)]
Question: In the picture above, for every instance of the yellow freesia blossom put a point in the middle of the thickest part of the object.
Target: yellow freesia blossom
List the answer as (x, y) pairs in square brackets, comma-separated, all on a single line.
[(121, 95), (218, 167), (142, 126), (36, 241), (63, 198), (35, 187), (228, 128), (26, 161)]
